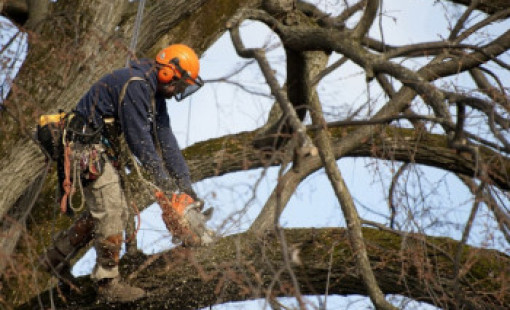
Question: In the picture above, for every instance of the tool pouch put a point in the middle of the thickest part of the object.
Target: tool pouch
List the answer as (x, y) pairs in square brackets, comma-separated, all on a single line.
[(78, 130), (91, 163), (111, 138), (49, 134)]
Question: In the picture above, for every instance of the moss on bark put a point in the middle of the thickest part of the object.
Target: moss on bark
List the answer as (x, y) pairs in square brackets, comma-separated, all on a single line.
[(247, 266)]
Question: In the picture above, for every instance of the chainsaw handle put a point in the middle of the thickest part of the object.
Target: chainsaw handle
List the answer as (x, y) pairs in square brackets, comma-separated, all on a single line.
[(179, 201), (160, 195)]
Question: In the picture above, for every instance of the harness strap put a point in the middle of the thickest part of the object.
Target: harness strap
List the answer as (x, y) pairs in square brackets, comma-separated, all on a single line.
[(124, 88), (124, 151), (152, 112)]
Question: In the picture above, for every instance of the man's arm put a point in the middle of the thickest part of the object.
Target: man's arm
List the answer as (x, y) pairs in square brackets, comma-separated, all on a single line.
[(172, 155), (135, 119)]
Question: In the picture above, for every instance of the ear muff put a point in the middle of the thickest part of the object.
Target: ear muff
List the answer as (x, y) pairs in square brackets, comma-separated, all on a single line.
[(166, 73)]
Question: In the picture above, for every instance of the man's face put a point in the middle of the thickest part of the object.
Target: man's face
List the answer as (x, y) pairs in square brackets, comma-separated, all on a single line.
[(171, 89), (167, 90)]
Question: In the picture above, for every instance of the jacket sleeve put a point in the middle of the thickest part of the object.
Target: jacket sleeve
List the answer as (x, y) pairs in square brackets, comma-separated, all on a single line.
[(172, 155), (135, 119)]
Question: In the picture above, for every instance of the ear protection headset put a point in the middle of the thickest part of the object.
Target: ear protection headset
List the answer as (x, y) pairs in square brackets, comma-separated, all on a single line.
[(166, 73)]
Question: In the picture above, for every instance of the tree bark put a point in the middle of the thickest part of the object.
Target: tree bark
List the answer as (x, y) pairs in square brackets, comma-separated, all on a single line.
[(246, 266)]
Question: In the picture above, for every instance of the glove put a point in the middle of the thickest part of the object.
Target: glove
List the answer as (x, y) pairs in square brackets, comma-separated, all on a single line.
[(185, 220), (184, 185), (164, 183)]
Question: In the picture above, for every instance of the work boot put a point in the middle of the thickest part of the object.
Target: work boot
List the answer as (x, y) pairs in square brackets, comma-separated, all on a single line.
[(114, 290), (66, 244), (110, 288)]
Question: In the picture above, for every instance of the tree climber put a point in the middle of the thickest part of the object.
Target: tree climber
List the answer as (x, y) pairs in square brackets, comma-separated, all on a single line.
[(128, 101)]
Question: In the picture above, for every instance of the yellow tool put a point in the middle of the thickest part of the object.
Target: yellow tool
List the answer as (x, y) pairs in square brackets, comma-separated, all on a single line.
[(51, 118)]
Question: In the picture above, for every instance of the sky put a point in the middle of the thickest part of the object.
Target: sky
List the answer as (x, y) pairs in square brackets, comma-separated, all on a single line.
[(220, 109), (12, 58)]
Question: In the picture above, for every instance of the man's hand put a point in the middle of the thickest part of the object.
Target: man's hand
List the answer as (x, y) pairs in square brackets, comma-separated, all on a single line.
[(184, 185)]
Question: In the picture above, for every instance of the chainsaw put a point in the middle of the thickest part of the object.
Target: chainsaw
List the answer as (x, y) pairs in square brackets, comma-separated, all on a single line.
[(185, 219)]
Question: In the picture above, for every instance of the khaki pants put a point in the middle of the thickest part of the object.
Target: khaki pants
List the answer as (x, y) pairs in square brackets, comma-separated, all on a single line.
[(107, 204)]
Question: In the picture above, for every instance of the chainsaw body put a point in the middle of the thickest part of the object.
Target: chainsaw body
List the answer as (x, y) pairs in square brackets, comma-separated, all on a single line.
[(184, 219)]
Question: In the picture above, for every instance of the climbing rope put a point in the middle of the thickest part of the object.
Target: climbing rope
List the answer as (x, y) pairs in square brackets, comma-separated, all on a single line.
[(136, 28)]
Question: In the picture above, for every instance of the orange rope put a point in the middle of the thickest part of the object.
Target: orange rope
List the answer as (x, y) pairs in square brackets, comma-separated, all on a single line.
[(66, 184)]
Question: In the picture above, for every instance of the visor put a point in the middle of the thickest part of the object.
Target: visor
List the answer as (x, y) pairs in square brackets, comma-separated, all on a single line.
[(185, 85), (183, 88)]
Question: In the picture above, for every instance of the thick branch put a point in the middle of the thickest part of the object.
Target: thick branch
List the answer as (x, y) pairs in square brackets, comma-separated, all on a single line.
[(220, 156), (487, 6), (242, 267)]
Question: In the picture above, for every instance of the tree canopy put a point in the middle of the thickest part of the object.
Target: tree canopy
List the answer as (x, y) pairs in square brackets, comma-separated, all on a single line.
[(441, 104)]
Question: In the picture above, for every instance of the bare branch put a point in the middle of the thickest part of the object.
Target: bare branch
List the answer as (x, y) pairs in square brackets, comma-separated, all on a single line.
[(276, 90), (349, 12), (391, 191), (328, 70), (348, 208), (460, 23), (483, 23), (488, 89), (367, 19), (489, 7)]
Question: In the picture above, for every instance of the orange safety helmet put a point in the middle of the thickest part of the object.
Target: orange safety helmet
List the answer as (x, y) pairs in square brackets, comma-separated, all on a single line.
[(184, 56), (180, 65)]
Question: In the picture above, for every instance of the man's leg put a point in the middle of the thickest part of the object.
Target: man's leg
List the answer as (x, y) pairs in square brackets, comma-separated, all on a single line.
[(109, 209)]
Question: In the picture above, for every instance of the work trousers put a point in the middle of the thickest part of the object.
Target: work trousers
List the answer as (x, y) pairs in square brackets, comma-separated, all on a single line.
[(107, 205)]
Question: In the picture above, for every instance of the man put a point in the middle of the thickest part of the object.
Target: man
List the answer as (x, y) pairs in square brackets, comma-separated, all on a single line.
[(129, 101)]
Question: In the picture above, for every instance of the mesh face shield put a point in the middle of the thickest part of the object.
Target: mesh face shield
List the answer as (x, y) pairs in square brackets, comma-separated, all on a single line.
[(185, 85), (183, 88)]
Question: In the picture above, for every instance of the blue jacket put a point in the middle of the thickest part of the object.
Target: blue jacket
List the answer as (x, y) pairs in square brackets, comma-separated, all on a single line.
[(135, 118)]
